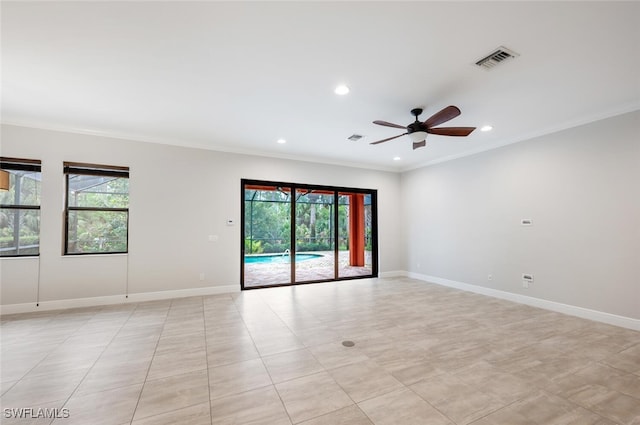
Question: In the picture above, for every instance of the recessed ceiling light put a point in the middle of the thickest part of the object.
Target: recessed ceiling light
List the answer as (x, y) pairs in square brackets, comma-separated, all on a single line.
[(396, 158), (282, 141), (486, 128), (341, 90)]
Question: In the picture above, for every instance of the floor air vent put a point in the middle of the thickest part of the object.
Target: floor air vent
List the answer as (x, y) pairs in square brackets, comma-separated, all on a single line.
[(498, 56)]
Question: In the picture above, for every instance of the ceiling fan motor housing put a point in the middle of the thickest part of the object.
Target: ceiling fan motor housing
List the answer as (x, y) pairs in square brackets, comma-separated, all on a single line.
[(416, 126)]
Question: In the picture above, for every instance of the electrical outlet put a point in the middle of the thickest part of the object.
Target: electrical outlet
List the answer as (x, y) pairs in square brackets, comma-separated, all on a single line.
[(490, 277), (525, 284), (201, 276)]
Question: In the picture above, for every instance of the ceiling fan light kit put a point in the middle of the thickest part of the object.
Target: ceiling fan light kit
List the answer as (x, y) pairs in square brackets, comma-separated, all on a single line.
[(418, 131)]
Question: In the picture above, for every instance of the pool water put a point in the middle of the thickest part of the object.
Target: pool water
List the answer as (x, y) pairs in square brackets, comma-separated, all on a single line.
[(278, 258)]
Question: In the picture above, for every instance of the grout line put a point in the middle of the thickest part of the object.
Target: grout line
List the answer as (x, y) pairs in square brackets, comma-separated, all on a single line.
[(150, 363), (206, 358)]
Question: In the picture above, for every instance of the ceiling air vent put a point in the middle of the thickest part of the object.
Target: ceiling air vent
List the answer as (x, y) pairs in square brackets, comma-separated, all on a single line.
[(355, 137), (499, 55)]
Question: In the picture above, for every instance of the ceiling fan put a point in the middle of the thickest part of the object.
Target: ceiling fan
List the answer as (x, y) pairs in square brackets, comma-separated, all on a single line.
[(418, 130)]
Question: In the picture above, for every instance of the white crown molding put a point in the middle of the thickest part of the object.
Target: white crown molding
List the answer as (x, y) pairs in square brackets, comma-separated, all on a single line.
[(190, 145)]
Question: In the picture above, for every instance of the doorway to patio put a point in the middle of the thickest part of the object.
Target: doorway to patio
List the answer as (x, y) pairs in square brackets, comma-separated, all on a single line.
[(296, 233)]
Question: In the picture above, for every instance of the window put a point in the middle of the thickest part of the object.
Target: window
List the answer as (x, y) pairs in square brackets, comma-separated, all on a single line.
[(97, 209), (20, 208)]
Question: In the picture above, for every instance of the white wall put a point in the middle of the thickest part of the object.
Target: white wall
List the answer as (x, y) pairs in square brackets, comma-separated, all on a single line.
[(581, 188), (179, 196), (460, 220)]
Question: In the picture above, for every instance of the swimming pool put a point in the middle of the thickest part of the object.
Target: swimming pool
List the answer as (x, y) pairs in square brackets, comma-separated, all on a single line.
[(278, 258)]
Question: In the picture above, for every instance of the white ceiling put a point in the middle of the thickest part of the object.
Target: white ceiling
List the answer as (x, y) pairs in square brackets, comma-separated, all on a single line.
[(238, 76)]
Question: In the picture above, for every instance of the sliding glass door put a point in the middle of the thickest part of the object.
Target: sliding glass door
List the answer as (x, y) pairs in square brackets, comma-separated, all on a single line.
[(333, 231), (355, 234), (315, 241), (267, 235)]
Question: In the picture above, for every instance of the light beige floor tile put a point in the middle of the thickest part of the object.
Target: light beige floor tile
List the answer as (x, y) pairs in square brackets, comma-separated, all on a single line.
[(172, 393), (391, 355), (501, 386), (460, 402), (291, 364), (230, 351), (415, 373), (544, 409), (318, 335), (200, 414), (414, 331), (177, 363), (237, 377), (351, 415), (128, 350), (217, 333), (14, 365), (627, 360), (615, 379), (364, 380), (108, 376), (257, 407), (40, 390), (613, 405), (274, 344), (178, 343), (402, 407), (110, 407), (6, 385), (334, 354), (311, 396)]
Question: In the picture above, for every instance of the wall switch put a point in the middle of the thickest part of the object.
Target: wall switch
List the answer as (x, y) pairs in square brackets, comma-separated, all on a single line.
[(527, 277), (526, 222), (213, 238)]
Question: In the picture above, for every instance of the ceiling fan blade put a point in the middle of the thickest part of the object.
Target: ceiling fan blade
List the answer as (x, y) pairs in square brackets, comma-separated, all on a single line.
[(451, 131), (389, 124), (417, 145), (446, 114), (386, 140)]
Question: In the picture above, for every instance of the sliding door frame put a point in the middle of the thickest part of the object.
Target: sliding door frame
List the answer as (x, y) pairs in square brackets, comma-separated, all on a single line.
[(336, 250)]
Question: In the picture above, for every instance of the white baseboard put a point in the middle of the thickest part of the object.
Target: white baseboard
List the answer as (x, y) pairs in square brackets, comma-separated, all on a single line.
[(183, 293), (116, 299), (393, 273), (584, 313)]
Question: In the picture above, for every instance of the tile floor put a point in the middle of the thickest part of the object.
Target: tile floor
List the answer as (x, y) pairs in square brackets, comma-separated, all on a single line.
[(423, 354)]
